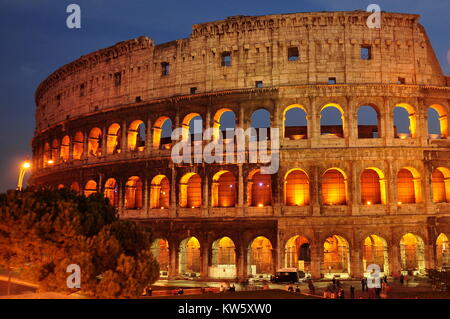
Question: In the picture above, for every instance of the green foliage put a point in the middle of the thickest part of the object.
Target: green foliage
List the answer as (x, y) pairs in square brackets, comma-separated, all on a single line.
[(42, 231)]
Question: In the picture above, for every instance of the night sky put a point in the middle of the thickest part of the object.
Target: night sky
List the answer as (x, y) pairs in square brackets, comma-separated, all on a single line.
[(35, 42)]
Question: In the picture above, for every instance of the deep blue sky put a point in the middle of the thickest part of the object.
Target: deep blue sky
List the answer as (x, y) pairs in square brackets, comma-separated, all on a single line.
[(35, 42)]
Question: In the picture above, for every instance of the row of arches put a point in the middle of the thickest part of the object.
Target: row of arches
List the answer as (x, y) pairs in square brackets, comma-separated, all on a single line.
[(296, 191), (335, 257), (295, 123)]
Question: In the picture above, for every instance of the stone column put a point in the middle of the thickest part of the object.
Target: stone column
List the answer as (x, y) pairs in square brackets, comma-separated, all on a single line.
[(316, 258), (204, 259), (174, 259), (355, 262), (242, 262), (146, 196), (103, 141), (394, 259), (85, 145), (148, 136), (124, 139)]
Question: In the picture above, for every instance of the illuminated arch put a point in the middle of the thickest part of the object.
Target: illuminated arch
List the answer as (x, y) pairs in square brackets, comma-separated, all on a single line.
[(219, 126), (412, 253), (260, 259), (408, 186), (160, 250), (161, 136), (440, 185), (75, 187), (160, 192), (223, 189), (296, 188), (65, 148), (300, 129), (336, 255), (442, 118), (297, 253), (111, 191), (191, 190), (78, 145), (368, 121), (189, 256), (113, 139), (223, 258), (334, 187), (333, 130), (375, 251), (90, 188), (136, 135), (95, 142), (442, 252), (259, 189), (260, 120), (373, 186), (133, 193), (412, 120)]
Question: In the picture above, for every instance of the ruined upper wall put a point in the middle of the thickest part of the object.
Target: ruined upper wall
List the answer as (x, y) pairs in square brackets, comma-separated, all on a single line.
[(328, 42)]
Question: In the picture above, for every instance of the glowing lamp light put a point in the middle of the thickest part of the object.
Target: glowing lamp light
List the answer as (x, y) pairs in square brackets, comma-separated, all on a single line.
[(50, 162), (399, 203), (26, 165), (403, 136), (369, 203), (260, 205), (193, 207), (162, 207), (261, 184)]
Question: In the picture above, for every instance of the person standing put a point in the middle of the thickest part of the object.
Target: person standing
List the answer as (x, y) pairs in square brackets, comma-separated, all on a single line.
[(352, 292), (402, 279), (363, 284)]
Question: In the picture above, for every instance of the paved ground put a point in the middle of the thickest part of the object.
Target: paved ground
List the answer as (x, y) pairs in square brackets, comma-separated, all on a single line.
[(15, 289)]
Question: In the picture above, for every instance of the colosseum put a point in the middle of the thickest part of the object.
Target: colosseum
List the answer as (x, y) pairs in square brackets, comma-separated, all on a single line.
[(353, 187)]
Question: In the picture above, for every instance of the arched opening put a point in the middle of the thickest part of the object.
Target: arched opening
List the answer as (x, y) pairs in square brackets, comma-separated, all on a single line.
[(259, 189), (296, 188), (112, 192), (437, 122), (408, 186), (78, 145), (189, 257), (297, 253), (162, 132), (113, 140), (65, 148), (375, 251), (332, 120), (404, 121), (136, 136), (75, 187), (260, 121), (160, 192), (368, 122), (440, 185), (191, 191), (95, 142), (55, 150), (295, 122), (223, 259), (47, 154), (160, 250), (373, 186), (90, 188), (412, 254), (223, 189), (225, 123), (334, 187), (442, 252), (260, 260), (133, 193), (192, 127), (336, 256)]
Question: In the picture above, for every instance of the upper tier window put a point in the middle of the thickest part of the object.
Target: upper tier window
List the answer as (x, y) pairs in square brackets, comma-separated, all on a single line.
[(226, 59), (293, 54), (165, 68), (366, 52), (117, 78)]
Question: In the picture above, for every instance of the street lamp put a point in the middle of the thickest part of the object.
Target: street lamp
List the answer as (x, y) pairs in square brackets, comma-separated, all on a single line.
[(23, 169)]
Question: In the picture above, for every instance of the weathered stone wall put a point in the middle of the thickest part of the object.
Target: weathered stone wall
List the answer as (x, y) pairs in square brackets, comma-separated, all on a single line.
[(328, 43)]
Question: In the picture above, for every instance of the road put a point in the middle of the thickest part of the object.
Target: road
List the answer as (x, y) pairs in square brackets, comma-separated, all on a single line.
[(15, 288)]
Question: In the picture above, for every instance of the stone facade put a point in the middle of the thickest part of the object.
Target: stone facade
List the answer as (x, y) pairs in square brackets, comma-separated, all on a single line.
[(216, 70)]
